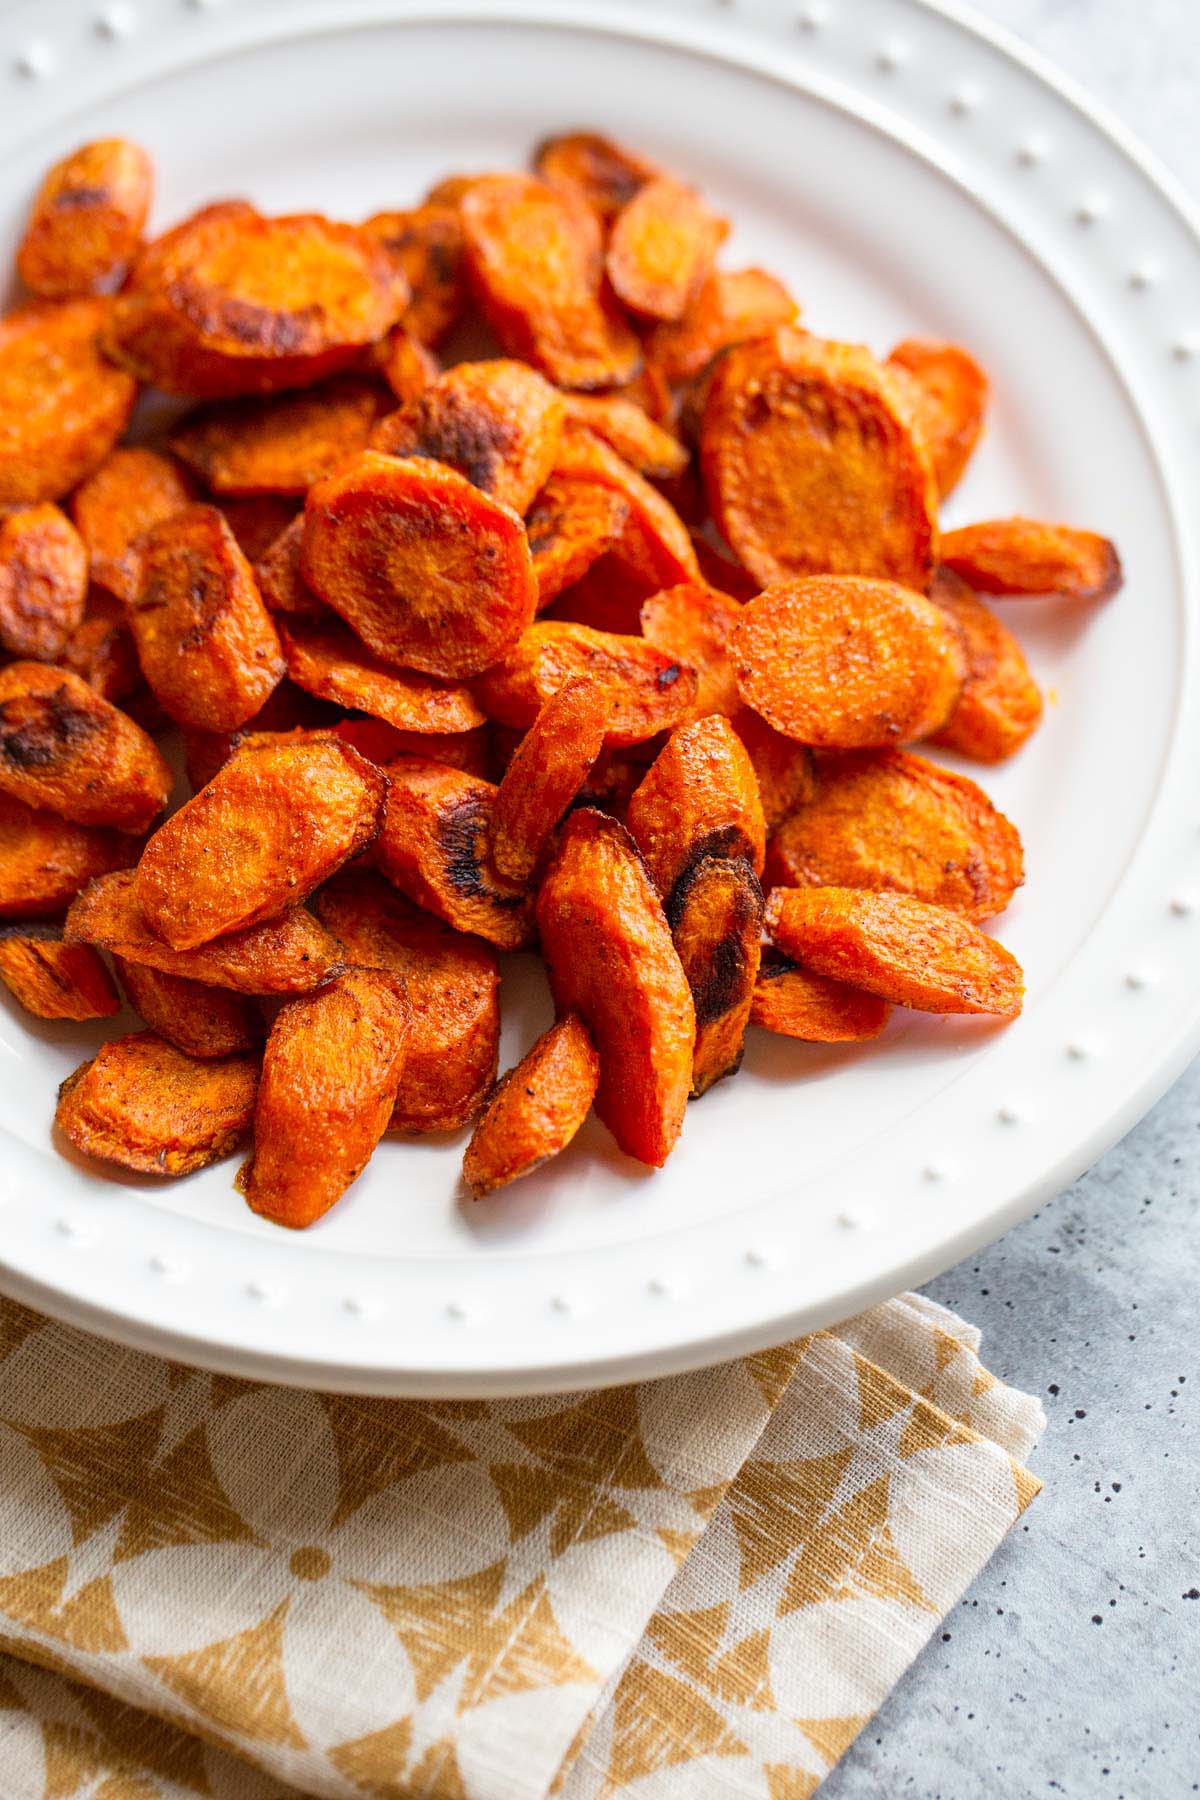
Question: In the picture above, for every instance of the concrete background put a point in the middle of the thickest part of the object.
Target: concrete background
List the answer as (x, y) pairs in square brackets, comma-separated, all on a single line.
[(1072, 1666)]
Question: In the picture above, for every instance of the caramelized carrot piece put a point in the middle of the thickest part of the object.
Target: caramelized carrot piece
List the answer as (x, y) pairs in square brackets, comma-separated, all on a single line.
[(279, 444), (382, 743), (200, 1021), (720, 570), (729, 306), (653, 691), (64, 748), (570, 526), (430, 572), (655, 545), (43, 582), (257, 521), (453, 995), (330, 1072), (716, 914), (662, 248), (435, 847), (280, 583), (604, 174), (845, 663), (535, 273), (550, 766), (326, 659), (948, 394), (54, 980), (1025, 556), (498, 423), (287, 709), (100, 649), (132, 490), (700, 799), (610, 958), (811, 466), (270, 826), (144, 1105), (536, 1110), (626, 428), (901, 949), (1001, 704), (45, 860), (782, 767), (887, 819), (204, 638), (606, 598), (230, 302), (693, 621), (406, 365), (425, 243), (290, 954), (794, 1002), (62, 406), (87, 219)]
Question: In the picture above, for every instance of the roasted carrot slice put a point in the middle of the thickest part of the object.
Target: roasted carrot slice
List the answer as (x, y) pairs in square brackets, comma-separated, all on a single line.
[(54, 980), (887, 819), (430, 572), (811, 465), (270, 826), (144, 1105), (535, 273), (45, 860), (230, 302), (699, 799), (435, 847), (326, 659), (570, 526), (722, 571), (100, 649), (288, 708), (62, 406), (948, 394), (716, 915), (382, 743), (132, 490), (662, 248), (901, 949), (846, 663), (693, 621), (606, 598), (729, 306), (610, 958), (782, 767), (277, 572), (498, 423), (406, 365), (653, 690), (655, 545), (536, 1109), (550, 767), (629, 430), (453, 996), (204, 638), (1025, 556), (426, 244), (794, 1002), (279, 444), (65, 748), (200, 1021), (1000, 704), (329, 1077), (258, 521), (605, 174), (43, 582), (287, 955), (87, 219)]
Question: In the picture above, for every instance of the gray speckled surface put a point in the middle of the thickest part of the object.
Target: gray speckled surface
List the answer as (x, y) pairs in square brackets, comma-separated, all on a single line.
[(1072, 1666)]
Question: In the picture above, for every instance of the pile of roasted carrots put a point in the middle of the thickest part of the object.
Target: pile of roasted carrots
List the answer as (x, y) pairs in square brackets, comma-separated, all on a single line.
[(520, 579)]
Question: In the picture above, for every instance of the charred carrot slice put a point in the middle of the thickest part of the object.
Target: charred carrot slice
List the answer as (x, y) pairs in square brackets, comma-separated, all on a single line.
[(132, 490), (901, 949), (948, 393), (200, 1021), (62, 405), (549, 769), (700, 799), (43, 582), (87, 219), (716, 914), (887, 819), (426, 244), (605, 174), (430, 572), (847, 663), (811, 465), (796, 1003), (144, 1105), (728, 307), (610, 957), (282, 443), (536, 1109), (662, 248), (570, 526), (65, 748), (327, 660), (1025, 556), (1001, 704), (55, 980), (652, 690)]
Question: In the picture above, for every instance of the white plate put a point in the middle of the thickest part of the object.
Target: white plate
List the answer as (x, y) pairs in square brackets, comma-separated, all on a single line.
[(906, 173)]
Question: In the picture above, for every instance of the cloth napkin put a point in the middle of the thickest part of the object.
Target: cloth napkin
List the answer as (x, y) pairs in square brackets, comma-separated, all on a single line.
[(698, 1587)]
